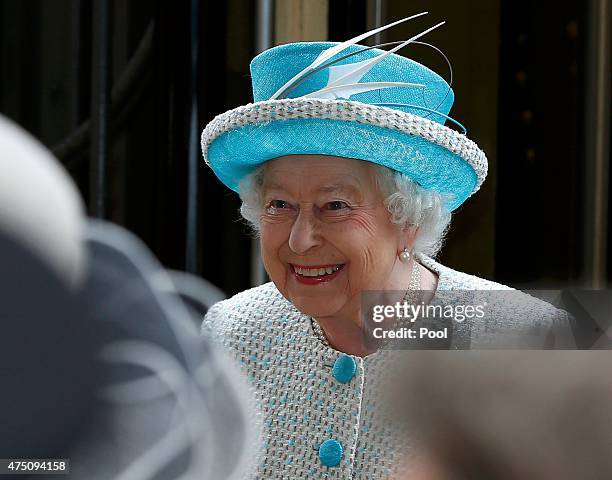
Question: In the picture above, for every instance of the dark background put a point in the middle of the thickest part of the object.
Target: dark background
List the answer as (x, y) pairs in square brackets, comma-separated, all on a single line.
[(120, 91)]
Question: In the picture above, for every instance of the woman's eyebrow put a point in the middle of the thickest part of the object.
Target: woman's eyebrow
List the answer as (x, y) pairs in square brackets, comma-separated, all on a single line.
[(351, 191), (338, 187), (273, 186), (330, 188)]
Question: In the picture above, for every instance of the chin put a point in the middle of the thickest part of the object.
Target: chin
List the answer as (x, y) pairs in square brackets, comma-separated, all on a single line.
[(315, 308)]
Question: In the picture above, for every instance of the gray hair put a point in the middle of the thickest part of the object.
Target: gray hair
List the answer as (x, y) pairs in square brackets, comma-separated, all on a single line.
[(408, 204)]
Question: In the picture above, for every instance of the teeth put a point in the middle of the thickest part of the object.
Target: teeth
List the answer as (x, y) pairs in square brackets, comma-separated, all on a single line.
[(316, 272)]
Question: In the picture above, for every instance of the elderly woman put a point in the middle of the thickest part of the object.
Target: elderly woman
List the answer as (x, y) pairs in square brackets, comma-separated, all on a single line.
[(348, 174)]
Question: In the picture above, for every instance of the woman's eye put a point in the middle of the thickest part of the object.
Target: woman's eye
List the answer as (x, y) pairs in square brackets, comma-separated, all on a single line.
[(277, 205), (337, 205)]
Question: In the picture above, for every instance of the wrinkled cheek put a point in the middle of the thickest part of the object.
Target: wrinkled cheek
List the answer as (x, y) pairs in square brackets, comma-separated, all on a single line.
[(375, 266), (272, 238), (365, 224), (368, 264)]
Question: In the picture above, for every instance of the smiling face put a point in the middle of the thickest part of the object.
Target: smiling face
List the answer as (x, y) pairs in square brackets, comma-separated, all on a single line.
[(326, 234)]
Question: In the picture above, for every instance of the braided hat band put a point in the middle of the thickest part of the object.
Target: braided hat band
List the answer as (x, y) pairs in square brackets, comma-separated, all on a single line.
[(227, 128)]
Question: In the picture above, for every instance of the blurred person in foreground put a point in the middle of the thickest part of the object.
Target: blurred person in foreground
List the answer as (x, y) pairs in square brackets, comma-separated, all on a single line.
[(505, 415), (349, 177), (104, 374)]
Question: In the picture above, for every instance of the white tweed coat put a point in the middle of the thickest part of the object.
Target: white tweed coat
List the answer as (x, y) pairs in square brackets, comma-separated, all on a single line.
[(301, 402)]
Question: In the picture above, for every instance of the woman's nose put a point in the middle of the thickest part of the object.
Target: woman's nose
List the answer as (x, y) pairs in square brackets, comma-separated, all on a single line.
[(304, 234)]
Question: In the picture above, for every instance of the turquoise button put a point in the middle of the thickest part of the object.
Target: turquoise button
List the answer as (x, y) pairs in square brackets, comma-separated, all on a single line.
[(344, 368), (330, 453)]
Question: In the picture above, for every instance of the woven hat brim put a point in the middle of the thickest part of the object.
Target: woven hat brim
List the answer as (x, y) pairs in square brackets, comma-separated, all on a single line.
[(435, 156)]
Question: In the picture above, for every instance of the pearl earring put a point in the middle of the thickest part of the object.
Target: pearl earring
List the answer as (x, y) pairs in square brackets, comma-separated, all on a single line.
[(404, 255)]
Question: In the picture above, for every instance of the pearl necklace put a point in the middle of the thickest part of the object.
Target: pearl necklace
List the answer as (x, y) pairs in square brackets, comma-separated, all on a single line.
[(413, 286)]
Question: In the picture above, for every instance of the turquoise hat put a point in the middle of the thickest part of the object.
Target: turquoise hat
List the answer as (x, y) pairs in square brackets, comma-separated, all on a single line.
[(352, 101)]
